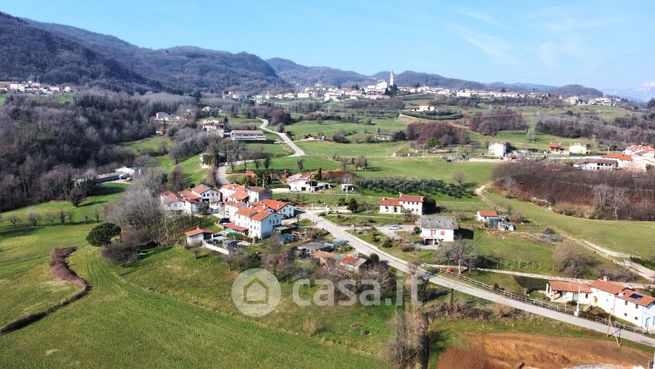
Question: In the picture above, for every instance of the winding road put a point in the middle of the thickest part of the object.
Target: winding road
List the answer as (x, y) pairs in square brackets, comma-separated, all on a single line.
[(221, 172)]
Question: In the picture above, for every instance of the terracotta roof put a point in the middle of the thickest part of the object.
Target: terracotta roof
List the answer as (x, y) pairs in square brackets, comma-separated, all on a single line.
[(235, 227), (239, 195), (488, 213), (607, 286), (201, 188), (618, 157), (569, 286), (169, 196), (236, 204), (389, 202), (320, 254), (636, 297), (198, 231), (353, 261), (276, 205), (554, 145), (261, 215), (247, 212), (412, 198), (188, 196), (641, 148)]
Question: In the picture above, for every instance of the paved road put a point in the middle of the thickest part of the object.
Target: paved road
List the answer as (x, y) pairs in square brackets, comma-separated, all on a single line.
[(402, 265), (297, 151), (221, 172)]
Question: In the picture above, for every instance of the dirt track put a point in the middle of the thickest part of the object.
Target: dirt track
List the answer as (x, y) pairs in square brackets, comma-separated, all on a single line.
[(510, 350)]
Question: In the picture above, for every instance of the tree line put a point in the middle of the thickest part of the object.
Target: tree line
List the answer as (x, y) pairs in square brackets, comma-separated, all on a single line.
[(604, 195)]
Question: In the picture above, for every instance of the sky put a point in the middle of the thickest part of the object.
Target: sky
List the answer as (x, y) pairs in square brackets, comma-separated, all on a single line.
[(603, 44)]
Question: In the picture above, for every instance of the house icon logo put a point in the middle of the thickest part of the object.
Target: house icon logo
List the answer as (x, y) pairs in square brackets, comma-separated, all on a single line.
[(256, 292)]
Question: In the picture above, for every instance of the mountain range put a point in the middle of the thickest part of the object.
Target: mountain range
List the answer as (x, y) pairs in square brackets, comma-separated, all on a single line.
[(54, 53)]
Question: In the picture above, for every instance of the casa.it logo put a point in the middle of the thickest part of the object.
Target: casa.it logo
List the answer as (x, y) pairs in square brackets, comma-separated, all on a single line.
[(256, 292)]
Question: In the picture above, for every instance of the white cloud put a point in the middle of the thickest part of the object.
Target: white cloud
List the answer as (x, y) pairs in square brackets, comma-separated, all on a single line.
[(482, 17), (495, 48)]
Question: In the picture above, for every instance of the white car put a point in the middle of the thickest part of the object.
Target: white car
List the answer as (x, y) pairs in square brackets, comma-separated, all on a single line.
[(395, 227)]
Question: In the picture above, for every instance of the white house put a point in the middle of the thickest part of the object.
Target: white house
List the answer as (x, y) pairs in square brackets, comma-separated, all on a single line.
[(436, 228), (402, 204), (578, 149), (198, 235), (597, 164), (301, 183), (623, 161), (257, 194), (616, 299), (262, 223), (484, 215), (283, 208), (184, 202), (231, 207), (563, 291), (207, 194), (498, 149)]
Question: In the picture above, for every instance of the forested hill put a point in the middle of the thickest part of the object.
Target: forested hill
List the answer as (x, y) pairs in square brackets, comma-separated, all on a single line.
[(308, 76), (27, 52), (61, 54)]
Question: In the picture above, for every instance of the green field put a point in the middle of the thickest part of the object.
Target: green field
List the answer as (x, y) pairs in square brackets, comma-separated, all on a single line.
[(328, 149), (519, 140), (3, 100), (633, 237), (354, 131)]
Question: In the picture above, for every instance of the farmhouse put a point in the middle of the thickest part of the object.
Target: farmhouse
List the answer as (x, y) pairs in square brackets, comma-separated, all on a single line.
[(436, 228), (578, 149), (623, 161), (303, 183), (485, 215), (185, 202), (285, 209), (352, 263), (247, 135), (198, 235), (614, 298), (207, 194), (555, 148), (498, 149), (569, 291), (597, 164), (404, 203)]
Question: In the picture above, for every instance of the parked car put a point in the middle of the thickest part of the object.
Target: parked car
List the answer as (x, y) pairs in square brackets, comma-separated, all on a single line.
[(395, 227)]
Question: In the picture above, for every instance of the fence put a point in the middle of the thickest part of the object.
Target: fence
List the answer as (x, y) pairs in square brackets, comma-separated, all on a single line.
[(560, 309)]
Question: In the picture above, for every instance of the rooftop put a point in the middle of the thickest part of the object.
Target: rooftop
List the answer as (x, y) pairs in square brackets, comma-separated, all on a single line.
[(438, 222)]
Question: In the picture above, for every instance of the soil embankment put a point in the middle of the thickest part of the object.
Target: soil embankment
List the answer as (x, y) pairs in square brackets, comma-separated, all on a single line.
[(513, 350)]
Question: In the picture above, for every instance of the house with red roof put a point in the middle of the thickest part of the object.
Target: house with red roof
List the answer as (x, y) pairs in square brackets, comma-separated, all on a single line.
[(402, 204), (485, 215), (352, 263), (207, 194), (281, 207), (198, 235), (184, 202), (619, 300)]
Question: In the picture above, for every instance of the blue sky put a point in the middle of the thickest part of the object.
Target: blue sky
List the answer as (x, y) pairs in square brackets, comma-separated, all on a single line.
[(604, 44)]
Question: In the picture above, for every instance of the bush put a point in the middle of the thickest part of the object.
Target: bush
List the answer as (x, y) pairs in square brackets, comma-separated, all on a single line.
[(121, 254)]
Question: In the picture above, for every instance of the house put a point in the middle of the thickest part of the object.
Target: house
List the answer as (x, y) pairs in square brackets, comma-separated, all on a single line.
[(623, 160), (302, 183), (436, 228), (184, 202), (262, 224), (616, 299), (578, 149), (624, 303), (127, 171), (597, 164), (207, 194), (569, 291), (484, 215), (285, 209), (498, 149), (233, 192), (404, 203), (247, 135), (555, 148), (198, 235), (352, 263), (257, 194), (347, 187), (231, 207), (311, 247), (641, 164), (640, 150)]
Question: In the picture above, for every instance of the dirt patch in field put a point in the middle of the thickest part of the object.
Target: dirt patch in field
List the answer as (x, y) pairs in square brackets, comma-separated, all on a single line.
[(512, 350)]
